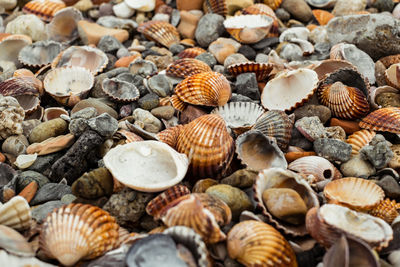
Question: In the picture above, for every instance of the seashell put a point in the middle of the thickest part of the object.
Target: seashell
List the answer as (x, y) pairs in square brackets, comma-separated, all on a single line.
[(392, 75), (315, 169), (390, 60), (129, 136), (386, 210), (249, 29), (239, 116), (355, 193), (25, 161), (54, 113), (330, 221), (140, 5), (277, 124), (262, 9), (161, 32), (384, 120), (76, 231), (322, 3), (15, 243), (262, 70), (82, 56), (191, 52), (281, 178), (64, 25), (16, 213), (322, 16), (68, 85), (143, 157), (328, 66), (215, 6), (170, 135), (274, 4), (39, 53), (206, 89), (377, 92), (344, 101), (254, 243), (120, 91), (44, 9), (359, 139), (294, 33), (11, 45), (185, 67), (289, 90)]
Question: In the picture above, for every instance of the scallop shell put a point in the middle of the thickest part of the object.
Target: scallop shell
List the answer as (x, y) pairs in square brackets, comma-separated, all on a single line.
[(315, 169), (185, 67), (82, 56), (54, 113), (328, 66), (355, 193), (44, 9), (239, 116), (11, 45), (359, 139), (254, 243), (384, 120), (390, 60), (39, 53), (289, 90), (215, 6), (322, 16), (127, 135), (16, 213), (262, 9), (281, 178), (392, 75), (274, 4), (68, 85), (277, 124), (161, 32), (191, 52), (78, 232), (170, 135), (322, 3), (262, 70), (206, 89), (120, 91), (64, 25), (29, 103), (386, 210)]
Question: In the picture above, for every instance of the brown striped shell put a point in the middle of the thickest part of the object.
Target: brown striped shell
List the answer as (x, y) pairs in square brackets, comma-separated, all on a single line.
[(262, 9), (274, 4), (359, 139), (262, 70), (191, 52), (215, 6), (328, 66), (186, 67), (119, 90), (390, 60), (254, 243), (77, 231), (170, 135), (161, 32), (45, 10), (16, 213), (384, 119), (386, 210), (392, 75), (322, 16), (177, 103)]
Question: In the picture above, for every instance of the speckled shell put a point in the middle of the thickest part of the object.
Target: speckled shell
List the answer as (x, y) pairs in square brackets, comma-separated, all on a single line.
[(384, 119), (281, 178), (315, 169), (191, 52), (386, 210), (277, 124), (322, 16), (170, 135), (120, 91), (75, 232), (39, 53), (16, 213), (186, 67), (274, 4), (328, 66), (355, 193), (205, 89), (11, 117), (161, 32), (359, 139), (254, 243), (64, 25), (262, 9), (45, 9), (215, 6), (21, 86), (261, 70)]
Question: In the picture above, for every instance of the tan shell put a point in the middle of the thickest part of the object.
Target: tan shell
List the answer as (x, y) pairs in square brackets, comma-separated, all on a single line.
[(386, 210), (359, 139), (262, 9), (331, 65), (215, 6), (185, 67), (11, 45), (45, 10), (392, 75), (161, 32), (191, 52), (76, 231), (262, 70), (51, 145), (384, 119), (254, 243), (54, 113), (170, 135), (16, 213), (64, 25), (375, 92)]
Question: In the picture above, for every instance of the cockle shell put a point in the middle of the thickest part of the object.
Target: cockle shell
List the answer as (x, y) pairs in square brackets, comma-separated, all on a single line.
[(170, 135), (390, 60), (11, 45), (262, 9), (186, 67), (274, 4), (39, 53), (261, 70), (355, 193), (143, 157), (16, 213), (359, 139), (386, 210), (191, 52), (322, 16), (384, 120), (44, 9), (328, 66), (120, 91), (254, 243), (375, 94), (76, 231), (215, 6), (161, 32), (64, 25)]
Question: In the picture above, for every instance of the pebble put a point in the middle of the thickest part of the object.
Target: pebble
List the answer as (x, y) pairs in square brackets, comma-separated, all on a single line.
[(160, 85), (161, 62), (266, 42), (207, 58), (323, 112), (261, 58), (40, 212), (222, 48), (234, 59), (163, 112), (149, 101), (377, 152), (343, 7), (282, 14), (26, 177), (91, 33), (68, 198), (15, 145), (104, 124), (291, 52), (43, 163), (49, 192), (109, 44), (94, 184), (357, 167), (8, 4), (150, 122), (336, 132), (248, 52), (241, 178), (332, 149), (311, 128), (395, 161), (246, 84), (29, 25), (48, 129), (209, 28), (86, 113), (202, 185), (188, 24), (95, 103), (176, 48), (298, 9), (78, 126), (390, 186)]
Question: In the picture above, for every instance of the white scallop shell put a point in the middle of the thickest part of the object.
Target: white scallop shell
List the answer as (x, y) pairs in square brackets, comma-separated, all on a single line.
[(16, 213)]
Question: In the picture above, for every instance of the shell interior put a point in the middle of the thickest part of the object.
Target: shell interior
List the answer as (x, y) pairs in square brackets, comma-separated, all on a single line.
[(39, 53), (248, 21), (64, 25), (120, 90), (12, 45)]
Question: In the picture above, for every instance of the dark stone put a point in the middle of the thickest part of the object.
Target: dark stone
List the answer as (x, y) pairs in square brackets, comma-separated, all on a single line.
[(104, 124), (43, 163), (377, 152), (267, 42), (246, 84), (299, 140), (40, 213), (240, 98), (149, 101), (149, 52), (332, 149), (50, 191), (282, 14), (207, 58), (176, 48), (390, 186), (94, 184), (26, 177), (109, 44), (248, 52), (209, 28)]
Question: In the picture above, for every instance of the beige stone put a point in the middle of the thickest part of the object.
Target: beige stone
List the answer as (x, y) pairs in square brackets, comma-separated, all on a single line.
[(91, 33), (188, 24), (222, 48), (51, 145)]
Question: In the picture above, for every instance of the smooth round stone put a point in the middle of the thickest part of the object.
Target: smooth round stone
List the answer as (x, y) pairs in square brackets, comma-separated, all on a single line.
[(163, 112), (48, 129), (248, 52), (357, 167), (176, 48), (207, 58), (68, 198), (202, 185), (242, 178), (149, 101), (15, 145), (160, 85), (94, 184)]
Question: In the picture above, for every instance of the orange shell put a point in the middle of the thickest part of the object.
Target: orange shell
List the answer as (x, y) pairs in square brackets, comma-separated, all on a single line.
[(170, 135), (384, 119), (177, 103), (262, 70), (262, 9), (191, 52), (161, 32), (215, 6), (359, 139), (274, 4), (186, 67), (45, 10), (322, 16), (386, 210)]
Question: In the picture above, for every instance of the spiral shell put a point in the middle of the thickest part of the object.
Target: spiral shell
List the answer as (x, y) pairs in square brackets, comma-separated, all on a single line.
[(386, 210), (261, 70), (39, 53), (262, 9), (322, 16), (76, 231), (161, 32), (185, 67), (384, 119), (215, 6), (359, 139), (16, 213), (191, 52), (44, 9)]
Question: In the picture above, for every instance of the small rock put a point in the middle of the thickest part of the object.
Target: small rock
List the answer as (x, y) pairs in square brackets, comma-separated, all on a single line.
[(298, 9), (246, 84), (311, 128), (348, 126), (261, 58), (43, 163), (78, 126), (26, 177), (49, 192), (147, 118), (336, 132), (86, 113), (248, 52), (68, 198), (377, 152), (323, 113), (240, 98), (8, 4), (222, 48), (95, 103), (189, 20), (108, 44), (91, 33), (163, 112), (15, 145), (209, 28), (160, 85), (149, 101), (176, 48), (266, 42), (291, 52), (122, 10), (242, 178), (202, 185), (298, 140), (190, 113), (48, 129), (104, 124), (161, 62), (394, 163), (234, 59), (219, 69), (207, 58), (390, 186), (344, 7), (94, 184), (282, 14), (332, 149), (40, 212), (161, 17), (357, 167)]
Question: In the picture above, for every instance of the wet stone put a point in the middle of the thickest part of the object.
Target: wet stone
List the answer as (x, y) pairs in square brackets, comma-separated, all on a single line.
[(160, 85), (50, 191)]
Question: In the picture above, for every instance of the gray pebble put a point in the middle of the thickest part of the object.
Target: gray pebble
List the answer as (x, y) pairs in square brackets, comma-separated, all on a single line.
[(78, 126), (207, 58), (86, 113), (105, 125), (163, 112), (109, 44), (40, 212), (209, 28), (160, 85), (246, 84), (50, 191), (390, 186), (26, 177), (377, 152), (332, 149), (149, 101), (176, 48), (311, 128), (68, 198)]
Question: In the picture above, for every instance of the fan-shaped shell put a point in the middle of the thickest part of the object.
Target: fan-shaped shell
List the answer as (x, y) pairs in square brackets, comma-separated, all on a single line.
[(191, 52), (64, 25), (376, 93), (355, 193), (170, 135), (120, 91), (328, 66), (262, 9), (76, 231), (384, 119), (322, 16), (254, 243), (215, 6), (359, 139), (185, 67), (11, 45), (16, 213), (161, 32), (386, 210), (44, 9), (261, 70), (39, 53)]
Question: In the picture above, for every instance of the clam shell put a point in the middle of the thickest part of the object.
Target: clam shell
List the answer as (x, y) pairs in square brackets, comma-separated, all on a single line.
[(281, 178), (120, 91), (82, 56), (315, 169), (322, 16), (54, 113), (11, 45), (44, 9), (64, 25), (289, 90), (75, 232), (386, 210), (328, 66), (384, 119), (185, 67), (15, 243), (275, 123), (29, 103), (377, 91), (392, 75), (262, 9), (39, 53), (274, 4), (170, 135), (322, 3), (254, 243), (215, 6), (161, 32), (261, 70), (390, 60), (16, 213), (191, 52), (359, 139)]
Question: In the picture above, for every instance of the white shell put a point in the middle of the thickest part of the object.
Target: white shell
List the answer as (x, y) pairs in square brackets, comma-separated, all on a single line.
[(22, 261), (122, 10), (64, 25), (322, 3), (16, 213), (11, 45), (141, 5), (296, 32), (148, 166), (249, 21), (25, 161)]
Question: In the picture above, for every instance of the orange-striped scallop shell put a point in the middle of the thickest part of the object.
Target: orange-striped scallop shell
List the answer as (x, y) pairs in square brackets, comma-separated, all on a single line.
[(261, 70), (254, 243), (177, 103), (359, 139), (215, 6), (274, 4), (186, 67), (161, 32), (384, 119), (170, 135), (44, 9), (322, 16), (262, 9), (386, 210), (191, 52)]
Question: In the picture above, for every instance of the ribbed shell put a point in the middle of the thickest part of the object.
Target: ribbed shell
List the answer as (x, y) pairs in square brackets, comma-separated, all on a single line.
[(322, 16), (39, 53), (120, 91), (16, 213), (384, 119), (45, 10), (215, 6), (63, 26), (205, 89), (386, 210), (161, 32), (254, 243), (191, 52), (170, 135), (359, 139), (186, 67), (76, 231), (277, 124), (20, 86), (177, 103), (274, 4), (355, 193), (262, 9), (390, 60), (344, 101), (261, 70)]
